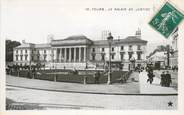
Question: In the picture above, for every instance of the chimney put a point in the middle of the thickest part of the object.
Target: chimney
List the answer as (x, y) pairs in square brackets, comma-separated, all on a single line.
[(138, 33), (50, 37), (23, 41)]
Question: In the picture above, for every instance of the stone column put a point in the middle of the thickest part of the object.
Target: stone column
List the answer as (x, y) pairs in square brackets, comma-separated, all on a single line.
[(55, 54), (74, 55), (85, 54), (79, 54)]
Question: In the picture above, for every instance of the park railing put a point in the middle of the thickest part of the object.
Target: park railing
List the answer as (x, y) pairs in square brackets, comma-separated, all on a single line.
[(83, 76)]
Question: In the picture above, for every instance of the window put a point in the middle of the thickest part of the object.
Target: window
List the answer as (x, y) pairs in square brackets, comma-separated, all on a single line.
[(112, 56), (139, 56), (21, 57), (25, 51), (38, 57), (122, 47), (45, 56), (26, 57), (130, 47), (32, 58), (38, 52), (102, 49), (112, 48), (93, 57), (17, 51), (130, 55), (21, 51), (138, 47), (16, 57), (122, 56), (93, 49), (44, 51), (103, 57), (32, 51)]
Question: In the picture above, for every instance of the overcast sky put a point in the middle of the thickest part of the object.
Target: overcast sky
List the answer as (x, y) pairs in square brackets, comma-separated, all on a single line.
[(34, 20)]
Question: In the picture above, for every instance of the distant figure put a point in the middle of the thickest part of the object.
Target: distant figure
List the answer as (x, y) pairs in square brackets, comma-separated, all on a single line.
[(150, 77), (163, 81), (168, 79)]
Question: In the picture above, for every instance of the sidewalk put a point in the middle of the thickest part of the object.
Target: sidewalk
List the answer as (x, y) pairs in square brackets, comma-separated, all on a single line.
[(155, 87), (130, 87), (174, 77)]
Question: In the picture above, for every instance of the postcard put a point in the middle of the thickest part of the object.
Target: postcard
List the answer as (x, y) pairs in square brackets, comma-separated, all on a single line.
[(92, 57)]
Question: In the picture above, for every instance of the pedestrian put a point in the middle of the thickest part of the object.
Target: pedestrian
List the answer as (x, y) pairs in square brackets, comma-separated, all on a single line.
[(150, 77), (163, 81), (168, 79)]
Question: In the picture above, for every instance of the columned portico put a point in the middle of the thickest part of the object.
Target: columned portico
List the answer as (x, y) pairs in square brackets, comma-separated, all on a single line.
[(71, 54)]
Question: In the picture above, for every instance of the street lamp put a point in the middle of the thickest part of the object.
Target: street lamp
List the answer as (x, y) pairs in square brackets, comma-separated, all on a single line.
[(169, 51), (109, 39)]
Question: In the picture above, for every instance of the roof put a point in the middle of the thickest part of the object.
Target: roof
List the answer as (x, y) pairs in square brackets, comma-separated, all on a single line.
[(42, 45), (129, 39), (72, 40), (26, 45), (31, 45)]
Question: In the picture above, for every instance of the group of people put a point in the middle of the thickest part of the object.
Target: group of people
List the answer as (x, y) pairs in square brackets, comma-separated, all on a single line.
[(165, 79)]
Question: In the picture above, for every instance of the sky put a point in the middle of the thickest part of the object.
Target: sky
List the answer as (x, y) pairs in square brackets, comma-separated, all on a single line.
[(34, 20)]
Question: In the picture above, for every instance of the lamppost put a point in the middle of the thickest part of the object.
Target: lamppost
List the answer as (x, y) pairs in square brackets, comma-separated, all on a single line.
[(109, 39), (168, 52)]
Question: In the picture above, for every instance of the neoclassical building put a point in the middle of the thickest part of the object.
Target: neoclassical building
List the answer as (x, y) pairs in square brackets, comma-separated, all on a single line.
[(81, 52)]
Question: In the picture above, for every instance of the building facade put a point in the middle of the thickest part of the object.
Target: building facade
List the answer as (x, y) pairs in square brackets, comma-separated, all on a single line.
[(81, 52), (174, 55)]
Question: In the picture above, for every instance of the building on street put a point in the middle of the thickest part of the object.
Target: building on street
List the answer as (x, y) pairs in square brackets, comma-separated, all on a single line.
[(81, 52)]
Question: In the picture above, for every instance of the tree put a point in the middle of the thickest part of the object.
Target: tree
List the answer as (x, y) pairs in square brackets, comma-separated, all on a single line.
[(9, 49), (159, 48)]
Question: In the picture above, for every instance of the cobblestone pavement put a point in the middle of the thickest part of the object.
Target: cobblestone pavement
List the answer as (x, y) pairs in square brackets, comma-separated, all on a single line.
[(40, 99)]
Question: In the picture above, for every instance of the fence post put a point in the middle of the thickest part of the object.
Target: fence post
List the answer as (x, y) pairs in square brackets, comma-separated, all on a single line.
[(55, 77), (85, 79), (18, 73), (33, 75)]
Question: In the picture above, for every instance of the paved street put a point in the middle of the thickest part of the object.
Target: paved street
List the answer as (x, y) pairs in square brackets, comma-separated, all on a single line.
[(39, 94), (130, 87), (61, 100)]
